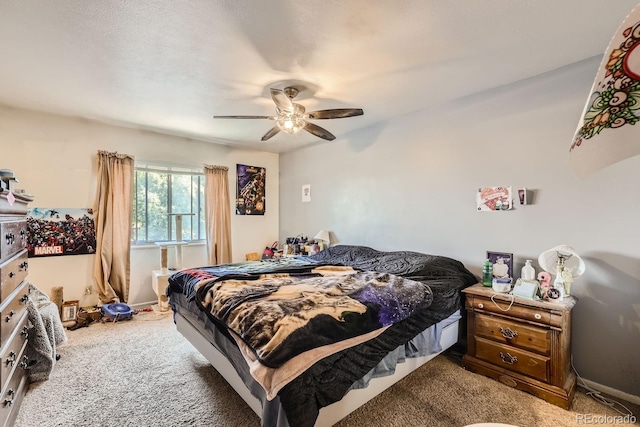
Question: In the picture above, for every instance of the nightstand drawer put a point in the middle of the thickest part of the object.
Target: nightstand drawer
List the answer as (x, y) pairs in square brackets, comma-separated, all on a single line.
[(536, 339), (514, 359), (534, 314)]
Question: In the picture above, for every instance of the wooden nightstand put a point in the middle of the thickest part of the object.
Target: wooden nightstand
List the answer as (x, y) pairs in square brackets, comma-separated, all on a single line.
[(526, 346)]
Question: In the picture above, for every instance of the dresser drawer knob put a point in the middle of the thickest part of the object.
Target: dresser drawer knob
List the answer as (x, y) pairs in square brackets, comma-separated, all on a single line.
[(10, 316), (11, 274), (537, 316), (508, 359), (24, 266), (508, 333), (11, 360), (25, 333), (481, 305), (10, 238), (24, 298), (25, 363), (9, 402)]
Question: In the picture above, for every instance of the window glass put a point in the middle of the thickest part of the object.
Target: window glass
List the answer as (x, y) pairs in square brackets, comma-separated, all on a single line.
[(160, 193)]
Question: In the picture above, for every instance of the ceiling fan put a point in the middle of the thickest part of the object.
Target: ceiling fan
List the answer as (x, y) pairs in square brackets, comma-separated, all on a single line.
[(292, 117)]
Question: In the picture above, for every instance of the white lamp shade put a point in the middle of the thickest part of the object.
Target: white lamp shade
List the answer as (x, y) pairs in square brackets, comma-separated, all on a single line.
[(323, 235), (548, 260)]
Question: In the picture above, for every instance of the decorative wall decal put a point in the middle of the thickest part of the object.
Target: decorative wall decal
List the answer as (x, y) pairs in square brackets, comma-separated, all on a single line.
[(607, 131)]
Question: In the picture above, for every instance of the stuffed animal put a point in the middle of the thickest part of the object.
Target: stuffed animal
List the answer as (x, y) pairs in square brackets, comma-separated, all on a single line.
[(545, 283)]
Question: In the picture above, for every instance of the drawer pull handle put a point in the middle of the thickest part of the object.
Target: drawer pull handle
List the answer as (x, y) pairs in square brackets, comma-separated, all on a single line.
[(24, 266), (9, 402), (23, 234), (508, 359), (11, 274), (25, 333), (10, 238), (537, 316), (25, 363), (10, 316), (508, 333), (481, 305), (24, 298), (11, 360)]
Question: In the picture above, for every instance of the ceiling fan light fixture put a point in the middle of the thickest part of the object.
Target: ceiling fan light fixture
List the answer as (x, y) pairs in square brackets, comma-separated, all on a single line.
[(292, 117), (290, 124)]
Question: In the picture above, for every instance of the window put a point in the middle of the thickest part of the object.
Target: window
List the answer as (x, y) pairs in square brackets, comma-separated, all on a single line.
[(161, 191)]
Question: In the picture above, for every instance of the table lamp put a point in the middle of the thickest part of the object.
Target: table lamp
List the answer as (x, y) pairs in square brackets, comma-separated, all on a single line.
[(565, 263), (322, 237)]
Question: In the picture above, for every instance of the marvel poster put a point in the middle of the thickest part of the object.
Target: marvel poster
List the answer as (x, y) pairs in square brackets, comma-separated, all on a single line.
[(250, 190), (60, 231)]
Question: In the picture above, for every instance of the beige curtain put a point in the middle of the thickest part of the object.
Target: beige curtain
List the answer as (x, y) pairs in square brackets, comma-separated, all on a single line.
[(112, 216), (217, 214)]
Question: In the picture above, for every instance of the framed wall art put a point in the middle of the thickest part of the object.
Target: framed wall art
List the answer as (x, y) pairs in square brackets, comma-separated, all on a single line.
[(250, 190), (502, 264), (69, 310), (60, 231)]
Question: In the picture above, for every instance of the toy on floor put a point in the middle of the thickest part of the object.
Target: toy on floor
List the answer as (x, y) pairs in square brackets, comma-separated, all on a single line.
[(116, 311)]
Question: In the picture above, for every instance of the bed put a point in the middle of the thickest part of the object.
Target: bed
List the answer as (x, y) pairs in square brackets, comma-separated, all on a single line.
[(305, 341)]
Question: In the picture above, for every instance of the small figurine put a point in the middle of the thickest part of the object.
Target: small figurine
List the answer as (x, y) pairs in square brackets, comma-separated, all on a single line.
[(567, 278), (545, 283)]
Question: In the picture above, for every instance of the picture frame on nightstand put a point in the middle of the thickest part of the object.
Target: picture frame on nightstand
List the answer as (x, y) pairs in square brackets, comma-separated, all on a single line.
[(502, 264)]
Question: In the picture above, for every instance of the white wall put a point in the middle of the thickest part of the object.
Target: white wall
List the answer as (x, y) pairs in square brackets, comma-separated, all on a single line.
[(410, 184), (54, 158)]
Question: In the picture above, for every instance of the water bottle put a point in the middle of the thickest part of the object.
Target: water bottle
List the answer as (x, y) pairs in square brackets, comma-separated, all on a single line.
[(487, 273)]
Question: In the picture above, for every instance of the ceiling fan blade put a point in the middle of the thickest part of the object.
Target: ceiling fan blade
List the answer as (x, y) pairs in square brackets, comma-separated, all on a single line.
[(272, 132), (283, 102), (336, 113), (318, 131), (245, 117)]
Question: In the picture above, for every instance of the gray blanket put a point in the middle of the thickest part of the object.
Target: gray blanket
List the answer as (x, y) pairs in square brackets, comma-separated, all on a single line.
[(44, 337)]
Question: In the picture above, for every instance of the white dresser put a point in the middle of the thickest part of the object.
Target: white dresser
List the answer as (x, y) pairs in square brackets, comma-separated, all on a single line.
[(14, 290)]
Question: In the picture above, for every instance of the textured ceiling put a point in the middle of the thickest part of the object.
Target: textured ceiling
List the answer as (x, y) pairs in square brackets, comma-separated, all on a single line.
[(169, 66)]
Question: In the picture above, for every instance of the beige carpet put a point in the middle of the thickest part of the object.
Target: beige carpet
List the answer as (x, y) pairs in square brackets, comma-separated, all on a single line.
[(142, 372)]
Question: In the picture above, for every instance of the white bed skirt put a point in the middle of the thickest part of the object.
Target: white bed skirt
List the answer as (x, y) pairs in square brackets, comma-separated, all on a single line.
[(333, 413)]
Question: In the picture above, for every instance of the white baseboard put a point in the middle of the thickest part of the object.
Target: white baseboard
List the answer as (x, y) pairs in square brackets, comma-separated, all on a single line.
[(143, 304), (612, 391)]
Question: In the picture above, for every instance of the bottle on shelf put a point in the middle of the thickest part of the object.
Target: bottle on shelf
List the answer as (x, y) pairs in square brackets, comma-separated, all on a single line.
[(528, 272), (487, 273)]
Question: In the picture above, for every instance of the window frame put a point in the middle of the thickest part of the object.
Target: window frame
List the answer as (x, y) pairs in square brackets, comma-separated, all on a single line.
[(198, 200)]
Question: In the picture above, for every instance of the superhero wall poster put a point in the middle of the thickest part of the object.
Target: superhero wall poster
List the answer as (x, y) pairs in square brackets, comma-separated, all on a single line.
[(60, 231), (250, 190)]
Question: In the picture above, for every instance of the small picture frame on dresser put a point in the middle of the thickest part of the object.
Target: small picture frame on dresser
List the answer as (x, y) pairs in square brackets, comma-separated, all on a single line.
[(70, 310), (502, 264)]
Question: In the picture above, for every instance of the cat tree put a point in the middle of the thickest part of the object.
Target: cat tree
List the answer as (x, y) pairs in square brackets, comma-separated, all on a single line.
[(160, 278)]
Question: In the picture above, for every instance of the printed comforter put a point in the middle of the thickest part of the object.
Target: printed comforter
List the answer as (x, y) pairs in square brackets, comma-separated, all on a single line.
[(430, 292), (280, 315)]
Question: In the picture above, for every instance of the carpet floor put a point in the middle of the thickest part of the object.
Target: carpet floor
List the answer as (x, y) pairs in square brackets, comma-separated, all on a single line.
[(142, 372)]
